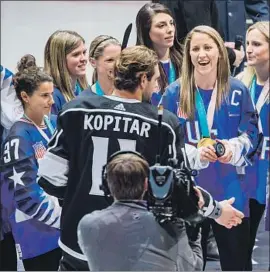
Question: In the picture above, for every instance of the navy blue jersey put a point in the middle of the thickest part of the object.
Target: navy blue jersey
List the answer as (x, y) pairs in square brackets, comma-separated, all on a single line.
[(258, 174), (33, 215), (236, 121), (60, 100)]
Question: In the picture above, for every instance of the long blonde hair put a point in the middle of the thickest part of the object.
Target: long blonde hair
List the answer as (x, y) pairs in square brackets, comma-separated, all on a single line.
[(58, 46), (187, 80), (250, 71)]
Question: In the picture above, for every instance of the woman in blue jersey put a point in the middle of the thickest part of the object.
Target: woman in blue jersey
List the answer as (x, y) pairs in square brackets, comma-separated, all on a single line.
[(33, 215), (8, 254), (156, 30), (65, 60), (256, 78), (213, 105), (103, 52)]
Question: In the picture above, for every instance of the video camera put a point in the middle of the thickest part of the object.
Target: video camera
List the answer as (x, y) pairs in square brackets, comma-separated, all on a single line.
[(171, 195)]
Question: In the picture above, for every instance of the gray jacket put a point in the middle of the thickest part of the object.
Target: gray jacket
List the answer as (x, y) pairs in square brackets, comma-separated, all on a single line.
[(125, 236)]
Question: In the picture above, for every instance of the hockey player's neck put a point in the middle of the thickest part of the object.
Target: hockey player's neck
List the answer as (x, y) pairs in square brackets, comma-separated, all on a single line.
[(262, 73), (163, 53), (205, 82), (106, 86), (31, 116), (125, 94)]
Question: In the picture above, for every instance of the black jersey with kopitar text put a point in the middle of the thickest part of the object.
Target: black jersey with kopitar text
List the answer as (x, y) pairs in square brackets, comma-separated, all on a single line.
[(89, 130)]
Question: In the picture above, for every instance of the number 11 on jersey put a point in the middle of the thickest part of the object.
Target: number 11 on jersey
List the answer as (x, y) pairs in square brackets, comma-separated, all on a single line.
[(100, 155)]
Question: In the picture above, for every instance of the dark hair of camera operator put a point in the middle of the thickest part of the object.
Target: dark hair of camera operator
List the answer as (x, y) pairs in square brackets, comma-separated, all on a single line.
[(126, 236), (127, 177)]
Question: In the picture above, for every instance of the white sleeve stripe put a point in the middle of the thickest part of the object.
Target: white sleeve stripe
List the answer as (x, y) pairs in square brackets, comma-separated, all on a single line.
[(193, 155), (240, 146), (56, 224), (55, 216), (56, 140), (184, 156), (54, 169), (56, 213), (210, 208), (52, 205)]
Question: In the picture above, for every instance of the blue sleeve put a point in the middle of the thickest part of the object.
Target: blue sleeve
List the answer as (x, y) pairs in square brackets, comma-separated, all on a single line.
[(249, 122), (59, 101), (258, 10), (171, 97), (6, 74), (20, 169), (247, 140)]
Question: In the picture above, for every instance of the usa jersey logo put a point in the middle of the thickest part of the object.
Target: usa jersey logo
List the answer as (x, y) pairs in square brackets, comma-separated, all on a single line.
[(39, 149), (181, 115)]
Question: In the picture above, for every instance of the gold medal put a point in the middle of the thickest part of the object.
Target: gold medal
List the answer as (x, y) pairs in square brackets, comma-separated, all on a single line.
[(205, 142)]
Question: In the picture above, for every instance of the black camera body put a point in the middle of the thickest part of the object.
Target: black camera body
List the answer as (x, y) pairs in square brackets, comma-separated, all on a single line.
[(171, 195)]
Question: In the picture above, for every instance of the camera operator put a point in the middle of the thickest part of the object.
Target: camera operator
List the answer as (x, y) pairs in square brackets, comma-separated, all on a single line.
[(126, 236), (91, 128)]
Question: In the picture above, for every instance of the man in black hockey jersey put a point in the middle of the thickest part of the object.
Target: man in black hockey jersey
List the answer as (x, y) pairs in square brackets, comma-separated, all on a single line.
[(90, 129)]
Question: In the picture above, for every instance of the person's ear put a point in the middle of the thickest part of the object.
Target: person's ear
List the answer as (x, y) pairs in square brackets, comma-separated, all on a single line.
[(93, 62), (25, 97), (144, 81), (145, 187)]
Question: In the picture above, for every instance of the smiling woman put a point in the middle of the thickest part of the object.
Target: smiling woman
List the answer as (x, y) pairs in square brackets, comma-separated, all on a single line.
[(32, 214), (256, 78), (103, 52), (216, 108), (65, 60)]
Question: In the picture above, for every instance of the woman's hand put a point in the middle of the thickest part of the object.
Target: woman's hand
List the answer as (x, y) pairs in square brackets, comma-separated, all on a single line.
[(207, 153), (227, 157)]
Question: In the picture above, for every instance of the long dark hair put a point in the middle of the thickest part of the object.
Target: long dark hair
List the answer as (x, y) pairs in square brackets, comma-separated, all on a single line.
[(143, 25)]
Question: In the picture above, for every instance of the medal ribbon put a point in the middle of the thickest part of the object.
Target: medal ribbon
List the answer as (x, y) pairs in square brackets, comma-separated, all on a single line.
[(262, 98), (172, 76), (263, 95), (99, 91), (78, 89), (205, 119)]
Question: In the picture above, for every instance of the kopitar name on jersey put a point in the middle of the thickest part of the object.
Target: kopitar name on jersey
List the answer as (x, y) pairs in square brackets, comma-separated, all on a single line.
[(116, 123)]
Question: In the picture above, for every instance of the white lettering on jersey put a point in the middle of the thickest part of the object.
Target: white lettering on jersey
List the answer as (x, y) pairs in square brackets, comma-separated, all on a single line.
[(235, 92), (109, 122), (265, 148), (197, 132), (116, 125), (9, 152), (100, 153)]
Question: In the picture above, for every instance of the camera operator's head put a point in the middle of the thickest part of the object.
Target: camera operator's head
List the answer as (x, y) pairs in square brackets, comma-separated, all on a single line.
[(136, 72), (127, 176)]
